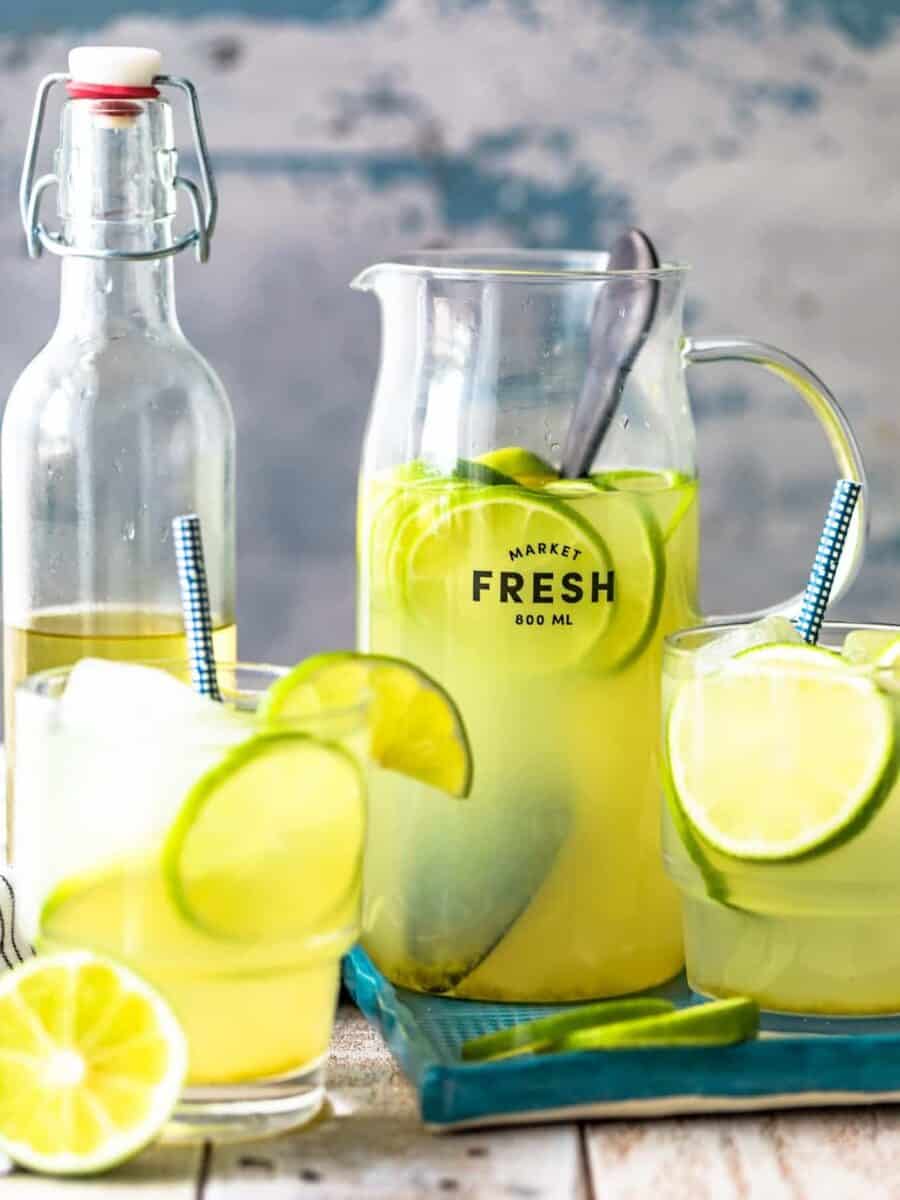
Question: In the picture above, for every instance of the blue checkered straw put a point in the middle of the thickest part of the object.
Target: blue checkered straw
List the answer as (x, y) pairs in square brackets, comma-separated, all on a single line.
[(195, 604), (828, 555)]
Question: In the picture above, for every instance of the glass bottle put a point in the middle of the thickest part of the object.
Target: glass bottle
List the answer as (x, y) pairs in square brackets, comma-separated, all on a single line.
[(118, 424)]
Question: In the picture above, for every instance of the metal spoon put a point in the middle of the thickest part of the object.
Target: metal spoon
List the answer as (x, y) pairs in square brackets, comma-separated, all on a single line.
[(623, 314)]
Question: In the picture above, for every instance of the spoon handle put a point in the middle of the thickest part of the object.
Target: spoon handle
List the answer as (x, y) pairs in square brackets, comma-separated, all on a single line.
[(623, 316)]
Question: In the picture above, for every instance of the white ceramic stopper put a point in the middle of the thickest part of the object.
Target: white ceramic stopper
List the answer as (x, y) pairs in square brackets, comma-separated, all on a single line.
[(115, 66)]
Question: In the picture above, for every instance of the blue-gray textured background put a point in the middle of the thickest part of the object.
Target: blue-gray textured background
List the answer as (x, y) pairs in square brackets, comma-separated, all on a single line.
[(757, 139)]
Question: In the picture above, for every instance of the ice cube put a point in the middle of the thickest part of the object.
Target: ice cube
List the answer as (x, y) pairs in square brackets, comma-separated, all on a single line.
[(759, 633), (103, 772), (130, 700)]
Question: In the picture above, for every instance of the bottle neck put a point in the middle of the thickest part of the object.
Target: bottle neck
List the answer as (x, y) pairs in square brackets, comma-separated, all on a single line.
[(110, 297), (116, 166)]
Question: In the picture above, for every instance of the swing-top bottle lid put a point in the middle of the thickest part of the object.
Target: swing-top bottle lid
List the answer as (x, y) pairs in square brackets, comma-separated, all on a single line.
[(126, 67), (116, 80)]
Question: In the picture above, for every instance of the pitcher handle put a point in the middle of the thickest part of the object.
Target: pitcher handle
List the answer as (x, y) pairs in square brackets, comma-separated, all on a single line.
[(837, 430)]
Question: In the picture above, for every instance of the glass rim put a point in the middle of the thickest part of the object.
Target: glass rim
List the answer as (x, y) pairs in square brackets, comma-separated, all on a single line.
[(520, 265), (672, 641), (32, 685)]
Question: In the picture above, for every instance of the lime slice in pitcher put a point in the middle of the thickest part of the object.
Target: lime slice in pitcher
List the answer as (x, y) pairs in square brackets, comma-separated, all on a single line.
[(416, 728), (506, 573), (670, 493), (269, 842), (632, 533), (522, 466), (781, 754)]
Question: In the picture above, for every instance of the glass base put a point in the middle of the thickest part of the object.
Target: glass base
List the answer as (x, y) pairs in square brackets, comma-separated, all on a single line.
[(246, 1111), (835, 968)]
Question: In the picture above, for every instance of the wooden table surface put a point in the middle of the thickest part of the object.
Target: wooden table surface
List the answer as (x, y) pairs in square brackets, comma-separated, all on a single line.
[(372, 1145)]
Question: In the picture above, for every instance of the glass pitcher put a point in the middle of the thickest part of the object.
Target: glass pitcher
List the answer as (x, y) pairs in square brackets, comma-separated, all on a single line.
[(540, 604)]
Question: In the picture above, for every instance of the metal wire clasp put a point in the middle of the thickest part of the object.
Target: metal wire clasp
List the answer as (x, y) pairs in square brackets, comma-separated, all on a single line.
[(204, 205)]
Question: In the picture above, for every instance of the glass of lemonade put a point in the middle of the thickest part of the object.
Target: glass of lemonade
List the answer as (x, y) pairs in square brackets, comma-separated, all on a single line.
[(213, 851), (781, 824)]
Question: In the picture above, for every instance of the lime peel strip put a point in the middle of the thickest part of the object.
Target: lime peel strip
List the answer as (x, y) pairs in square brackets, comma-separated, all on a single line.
[(530, 1036), (717, 1023)]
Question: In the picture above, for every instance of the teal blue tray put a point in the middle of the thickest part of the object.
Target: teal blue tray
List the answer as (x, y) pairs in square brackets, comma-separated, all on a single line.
[(795, 1063)]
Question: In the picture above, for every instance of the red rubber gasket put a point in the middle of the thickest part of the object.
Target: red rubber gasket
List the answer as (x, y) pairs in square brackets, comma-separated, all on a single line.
[(109, 91)]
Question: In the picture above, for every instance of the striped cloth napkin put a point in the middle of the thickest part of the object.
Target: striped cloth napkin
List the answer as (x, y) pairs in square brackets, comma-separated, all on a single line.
[(14, 949)]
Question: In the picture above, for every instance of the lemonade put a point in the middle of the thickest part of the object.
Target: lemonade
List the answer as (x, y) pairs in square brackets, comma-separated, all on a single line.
[(782, 821), (59, 637), (214, 851), (540, 604)]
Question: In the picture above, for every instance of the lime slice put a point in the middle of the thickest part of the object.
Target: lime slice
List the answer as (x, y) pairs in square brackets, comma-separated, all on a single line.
[(416, 727), (713, 880), (569, 489), (789, 656), (868, 647), (268, 844), (635, 539), (92, 1062), (781, 754), (525, 578), (466, 470), (480, 472), (522, 466), (532, 1036), (719, 1023), (508, 535), (669, 493)]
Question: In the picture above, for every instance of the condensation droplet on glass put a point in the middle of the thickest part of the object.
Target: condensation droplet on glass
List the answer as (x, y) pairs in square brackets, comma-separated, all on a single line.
[(554, 446), (128, 531), (108, 286)]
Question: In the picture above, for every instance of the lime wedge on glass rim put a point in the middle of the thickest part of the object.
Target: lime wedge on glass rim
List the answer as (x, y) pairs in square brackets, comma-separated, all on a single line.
[(416, 728), (732, 780), (268, 843), (528, 1037), (92, 1062)]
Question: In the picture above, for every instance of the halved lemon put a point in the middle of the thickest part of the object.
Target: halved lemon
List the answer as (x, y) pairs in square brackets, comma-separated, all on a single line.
[(92, 1062)]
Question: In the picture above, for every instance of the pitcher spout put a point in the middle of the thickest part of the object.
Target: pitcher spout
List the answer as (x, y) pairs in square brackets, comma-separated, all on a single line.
[(367, 279)]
